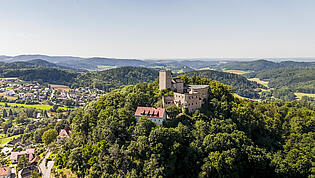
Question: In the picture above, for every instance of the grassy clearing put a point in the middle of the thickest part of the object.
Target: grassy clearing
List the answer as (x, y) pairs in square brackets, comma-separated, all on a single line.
[(238, 96), (264, 83), (37, 106), (7, 139), (102, 67), (300, 95), (239, 72)]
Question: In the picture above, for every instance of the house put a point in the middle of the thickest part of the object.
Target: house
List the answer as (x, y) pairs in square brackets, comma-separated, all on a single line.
[(29, 153), (10, 93), (157, 115), (38, 115), (64, 134), (5, 172), (6, 150)]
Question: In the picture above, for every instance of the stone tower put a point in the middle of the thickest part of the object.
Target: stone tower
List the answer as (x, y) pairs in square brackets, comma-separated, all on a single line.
[(165, 79)]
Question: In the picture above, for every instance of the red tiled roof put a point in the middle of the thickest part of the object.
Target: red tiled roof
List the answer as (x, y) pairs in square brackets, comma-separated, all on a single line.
[(150, 112), (4, 171), (64, 133)]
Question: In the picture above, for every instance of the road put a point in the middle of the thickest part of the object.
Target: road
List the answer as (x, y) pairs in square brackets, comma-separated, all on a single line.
[(46, 171)]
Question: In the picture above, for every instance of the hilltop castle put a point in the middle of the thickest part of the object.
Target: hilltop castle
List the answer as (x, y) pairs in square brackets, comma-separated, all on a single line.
[(188, 96)]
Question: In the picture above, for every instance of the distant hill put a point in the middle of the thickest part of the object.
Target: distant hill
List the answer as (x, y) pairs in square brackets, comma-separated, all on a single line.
[(36, 63), (242, 86), (94, 63), (260, 65), (178, 65)]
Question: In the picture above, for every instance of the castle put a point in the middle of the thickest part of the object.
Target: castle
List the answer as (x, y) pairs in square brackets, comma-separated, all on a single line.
[(190, 97)]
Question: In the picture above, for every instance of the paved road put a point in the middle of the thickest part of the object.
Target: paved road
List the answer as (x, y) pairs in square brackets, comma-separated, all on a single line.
[(46, 171)]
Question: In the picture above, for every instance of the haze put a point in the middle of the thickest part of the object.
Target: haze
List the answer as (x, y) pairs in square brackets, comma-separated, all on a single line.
[(158, 28)]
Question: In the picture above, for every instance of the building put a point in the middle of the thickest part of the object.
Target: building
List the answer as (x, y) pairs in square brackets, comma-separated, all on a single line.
[(64, 134), (29, 153), (5, 172), (157, 115), (6, 150), (191, 97)]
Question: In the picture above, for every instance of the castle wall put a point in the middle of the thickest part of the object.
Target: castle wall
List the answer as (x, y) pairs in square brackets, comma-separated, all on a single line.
[(191, 101)]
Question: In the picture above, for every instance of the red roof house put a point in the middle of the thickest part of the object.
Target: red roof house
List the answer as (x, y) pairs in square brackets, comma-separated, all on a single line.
[(157, 115), (5, 172)]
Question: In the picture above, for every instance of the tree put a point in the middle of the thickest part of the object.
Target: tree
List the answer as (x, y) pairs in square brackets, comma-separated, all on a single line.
[(172, 111), (4, 114), (10, 112), (49, 136), (22, 163)]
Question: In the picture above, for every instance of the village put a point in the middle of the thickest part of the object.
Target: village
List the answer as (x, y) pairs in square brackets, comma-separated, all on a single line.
[(26, 106), (14, 90)]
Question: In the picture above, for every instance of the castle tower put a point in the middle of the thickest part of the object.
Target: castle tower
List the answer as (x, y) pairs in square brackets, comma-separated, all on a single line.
[(165, 79)]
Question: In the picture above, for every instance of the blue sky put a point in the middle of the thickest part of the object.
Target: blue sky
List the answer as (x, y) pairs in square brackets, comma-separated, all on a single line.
[(158, 28)]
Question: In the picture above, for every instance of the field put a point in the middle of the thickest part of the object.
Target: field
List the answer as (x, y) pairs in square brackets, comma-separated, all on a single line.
[(102, 67), (239, 72), (300, 95), (37, 106), (7, 139), (60, 87), (264, 83)]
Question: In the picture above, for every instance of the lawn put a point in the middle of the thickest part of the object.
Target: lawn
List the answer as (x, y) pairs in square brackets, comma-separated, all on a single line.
[(300, 95), (264, 83), (7, 139), (239, 72), (37, 106), (59, 87)]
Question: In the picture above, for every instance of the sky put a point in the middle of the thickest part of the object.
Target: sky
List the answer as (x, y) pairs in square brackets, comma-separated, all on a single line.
[(158, 28)]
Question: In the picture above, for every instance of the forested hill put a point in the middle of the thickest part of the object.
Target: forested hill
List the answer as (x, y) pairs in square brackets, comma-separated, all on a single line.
[(36, 63), (49, 75), (226, 138), (260, 65), (115, 78), (242, 86), (299, 80)]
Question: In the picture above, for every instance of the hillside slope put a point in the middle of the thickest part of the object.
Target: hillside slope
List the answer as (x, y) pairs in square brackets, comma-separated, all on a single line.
[(242, 86), (49, 75), (115, 78), (299, 80)]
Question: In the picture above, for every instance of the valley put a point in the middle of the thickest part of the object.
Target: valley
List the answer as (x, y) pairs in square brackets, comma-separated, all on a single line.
[(47, 107)]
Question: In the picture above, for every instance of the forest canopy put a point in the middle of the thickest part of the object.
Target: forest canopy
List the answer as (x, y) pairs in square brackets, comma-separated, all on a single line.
[(227, 137)]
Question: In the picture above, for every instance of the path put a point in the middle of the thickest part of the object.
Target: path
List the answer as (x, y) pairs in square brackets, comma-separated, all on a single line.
[(46, 171)]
